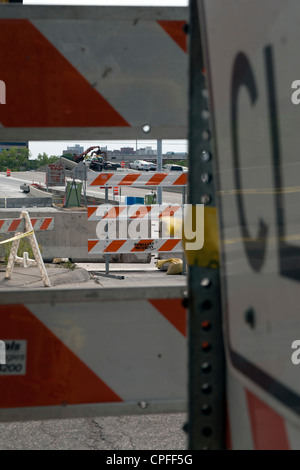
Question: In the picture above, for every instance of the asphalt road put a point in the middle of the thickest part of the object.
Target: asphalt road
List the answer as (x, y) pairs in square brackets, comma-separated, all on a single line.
[(148, 432), (10, 187)]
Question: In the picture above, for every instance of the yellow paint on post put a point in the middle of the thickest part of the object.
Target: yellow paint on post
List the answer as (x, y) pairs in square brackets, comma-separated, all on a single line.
[(208, 256)]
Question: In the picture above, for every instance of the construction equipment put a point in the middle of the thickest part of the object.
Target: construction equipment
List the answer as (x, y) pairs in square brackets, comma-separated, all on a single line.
[(98, 159), (84, 155)]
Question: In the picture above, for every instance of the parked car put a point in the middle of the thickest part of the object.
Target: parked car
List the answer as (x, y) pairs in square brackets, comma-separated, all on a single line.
[(140, 165), (153, 166), (172, 167)]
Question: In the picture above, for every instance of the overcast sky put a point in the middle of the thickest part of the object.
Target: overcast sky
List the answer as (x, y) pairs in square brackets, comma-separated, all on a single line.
[(56, 147)]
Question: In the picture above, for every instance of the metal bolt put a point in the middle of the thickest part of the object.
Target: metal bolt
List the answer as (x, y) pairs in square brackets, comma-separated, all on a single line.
[(205, 199), (206, 367), (205, 282), (206, 389), (205, 156), (205, 178), (143, 404)]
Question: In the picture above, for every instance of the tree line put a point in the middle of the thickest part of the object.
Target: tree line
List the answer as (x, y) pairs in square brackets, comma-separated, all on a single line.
[(18, 159)]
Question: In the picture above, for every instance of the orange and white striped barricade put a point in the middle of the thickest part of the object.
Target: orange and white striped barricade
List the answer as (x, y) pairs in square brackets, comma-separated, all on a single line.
[(28, 226), (137, 245), (136, 228), (100, 100), (69, 358), (134, 179)]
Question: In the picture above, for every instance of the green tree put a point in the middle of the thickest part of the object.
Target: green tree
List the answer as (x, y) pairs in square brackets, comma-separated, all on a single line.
[(43, 159), (16, 159)]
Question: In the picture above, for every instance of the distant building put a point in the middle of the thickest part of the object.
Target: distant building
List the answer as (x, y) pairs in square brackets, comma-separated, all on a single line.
[(10, 145), (75, 150), (146, 151), (127, 151)]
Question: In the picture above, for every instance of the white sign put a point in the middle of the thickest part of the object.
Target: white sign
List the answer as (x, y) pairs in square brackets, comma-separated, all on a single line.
[(2, 353), (15, 357), (253, 61), (55, 175)]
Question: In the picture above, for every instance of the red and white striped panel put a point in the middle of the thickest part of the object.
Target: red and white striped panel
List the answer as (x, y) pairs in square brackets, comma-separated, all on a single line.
[(76, 357), (154, 245), (106, 83), (135, 211), (253, 424), (120, 178), (18, 225)]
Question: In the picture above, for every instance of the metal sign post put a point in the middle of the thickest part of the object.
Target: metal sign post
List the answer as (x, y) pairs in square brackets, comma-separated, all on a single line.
[(106, 256), (206, 415)]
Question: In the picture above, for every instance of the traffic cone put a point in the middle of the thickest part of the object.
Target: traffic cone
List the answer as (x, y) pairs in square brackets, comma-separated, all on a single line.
[(7, 172)]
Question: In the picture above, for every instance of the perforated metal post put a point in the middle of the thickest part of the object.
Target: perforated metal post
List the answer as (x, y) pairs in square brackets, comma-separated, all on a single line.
[(107, 256), (206, 411), (159, 168)]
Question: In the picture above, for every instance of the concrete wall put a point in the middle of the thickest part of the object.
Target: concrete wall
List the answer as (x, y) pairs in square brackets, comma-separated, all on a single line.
[(69, 237)]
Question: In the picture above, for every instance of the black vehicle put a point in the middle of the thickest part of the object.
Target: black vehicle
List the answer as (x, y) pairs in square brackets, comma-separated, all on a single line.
[(99, 164), (96, 164)]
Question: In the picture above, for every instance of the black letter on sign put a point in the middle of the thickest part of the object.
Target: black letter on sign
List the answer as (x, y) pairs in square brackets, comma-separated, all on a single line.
[(289, 256), (255, 247)]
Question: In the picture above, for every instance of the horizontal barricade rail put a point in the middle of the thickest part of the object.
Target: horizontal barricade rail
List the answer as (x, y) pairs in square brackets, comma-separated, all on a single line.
[(120, 178), (66, 358), (14, 225), (136, 228)]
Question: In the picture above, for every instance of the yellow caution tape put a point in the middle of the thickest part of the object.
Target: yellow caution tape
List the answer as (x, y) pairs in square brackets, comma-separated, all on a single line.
[(16, 237)]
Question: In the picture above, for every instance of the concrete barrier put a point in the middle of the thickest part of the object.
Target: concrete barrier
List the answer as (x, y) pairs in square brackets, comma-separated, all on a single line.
[(69, 237), (19, 202), (34, 198)]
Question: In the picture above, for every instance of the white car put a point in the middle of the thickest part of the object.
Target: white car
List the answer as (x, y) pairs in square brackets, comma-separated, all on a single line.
[(140, 165)]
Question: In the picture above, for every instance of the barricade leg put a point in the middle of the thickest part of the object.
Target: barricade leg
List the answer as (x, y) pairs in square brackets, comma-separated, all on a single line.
[(36, 251), (12, 257)]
